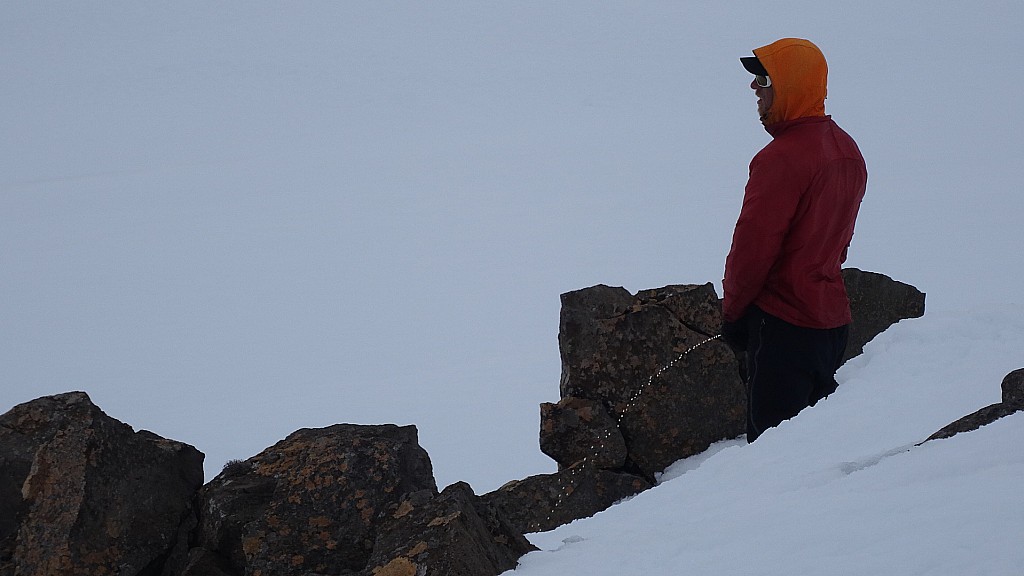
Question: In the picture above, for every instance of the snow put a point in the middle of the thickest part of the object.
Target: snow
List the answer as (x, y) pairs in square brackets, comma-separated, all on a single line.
[(229, 221)]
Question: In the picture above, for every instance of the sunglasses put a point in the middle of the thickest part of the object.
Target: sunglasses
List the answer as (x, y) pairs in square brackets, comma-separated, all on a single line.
[(762, 81)]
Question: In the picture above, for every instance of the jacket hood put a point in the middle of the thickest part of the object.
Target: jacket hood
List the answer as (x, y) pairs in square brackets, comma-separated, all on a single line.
[(799, 76)]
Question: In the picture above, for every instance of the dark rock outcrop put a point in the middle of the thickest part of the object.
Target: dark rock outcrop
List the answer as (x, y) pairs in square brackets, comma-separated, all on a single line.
[(877, 302), (624, 353), (613, 344), (1012, 401), (547, 501), (346, 499), (1013, 389), (312, 503), (82, 493), (453, 532)]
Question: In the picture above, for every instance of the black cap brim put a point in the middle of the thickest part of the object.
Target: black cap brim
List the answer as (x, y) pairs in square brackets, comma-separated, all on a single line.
[(754, 66)]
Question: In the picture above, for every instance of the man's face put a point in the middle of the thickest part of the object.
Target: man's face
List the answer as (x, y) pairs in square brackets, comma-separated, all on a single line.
[(765, 97)]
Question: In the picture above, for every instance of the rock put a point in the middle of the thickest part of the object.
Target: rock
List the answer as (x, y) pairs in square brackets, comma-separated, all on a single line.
[(614, 347), (346, 499), (450, 533), (696, 306), (310, 504), (82, 493), (986, 415), (877, 302), (546, 501), (578, 326), (1013, 391), (576, 429)]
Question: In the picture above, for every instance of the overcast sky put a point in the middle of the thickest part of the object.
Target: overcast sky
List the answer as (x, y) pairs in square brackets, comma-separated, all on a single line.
[(229, 221)]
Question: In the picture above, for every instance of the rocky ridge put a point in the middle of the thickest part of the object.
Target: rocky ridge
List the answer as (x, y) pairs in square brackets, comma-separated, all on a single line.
[(644, 383)]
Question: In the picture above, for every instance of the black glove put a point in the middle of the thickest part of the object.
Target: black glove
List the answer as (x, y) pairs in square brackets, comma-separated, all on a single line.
[(735, 334)]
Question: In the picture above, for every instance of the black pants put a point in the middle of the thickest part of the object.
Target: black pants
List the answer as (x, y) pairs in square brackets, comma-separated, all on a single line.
[(788, 368)]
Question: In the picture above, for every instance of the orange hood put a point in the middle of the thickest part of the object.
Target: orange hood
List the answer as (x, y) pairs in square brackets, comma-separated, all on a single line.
[(799, 76)]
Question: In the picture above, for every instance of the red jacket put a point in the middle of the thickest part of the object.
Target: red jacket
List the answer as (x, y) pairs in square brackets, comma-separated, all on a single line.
[(799, 208)]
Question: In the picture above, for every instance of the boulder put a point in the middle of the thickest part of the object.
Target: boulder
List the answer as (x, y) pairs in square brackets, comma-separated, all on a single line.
[(629, 354), (1013, 389), (310, 504), (82, 493), (547, 501), (453, 532), (346, 499), (1013, 393), (877, 302), (625, 353), (575, 429)]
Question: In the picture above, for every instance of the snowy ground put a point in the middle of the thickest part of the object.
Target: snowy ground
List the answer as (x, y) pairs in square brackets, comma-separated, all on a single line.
[(229, 221), (843, 488)]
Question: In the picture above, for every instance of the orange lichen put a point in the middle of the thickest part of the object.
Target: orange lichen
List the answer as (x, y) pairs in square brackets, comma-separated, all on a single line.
[(444, 520), (367, 514), (398, 567), (404, 508), (319, 521), (250, 546)]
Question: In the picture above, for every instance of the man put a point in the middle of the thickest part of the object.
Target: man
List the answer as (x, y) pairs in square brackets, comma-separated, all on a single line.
[(785, 303)]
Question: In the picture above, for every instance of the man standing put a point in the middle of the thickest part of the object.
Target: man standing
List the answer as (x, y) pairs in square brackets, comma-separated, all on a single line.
[(785, 303)]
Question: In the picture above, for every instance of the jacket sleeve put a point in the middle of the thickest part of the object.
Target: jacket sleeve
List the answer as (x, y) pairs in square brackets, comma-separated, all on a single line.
[(770, 202)]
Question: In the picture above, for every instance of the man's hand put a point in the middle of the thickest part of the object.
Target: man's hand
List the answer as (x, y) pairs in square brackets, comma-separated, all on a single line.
[(735, 334)]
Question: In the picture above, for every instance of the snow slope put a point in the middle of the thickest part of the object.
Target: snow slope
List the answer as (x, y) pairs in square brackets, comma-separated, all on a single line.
[(228, 221), (843, 488)]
